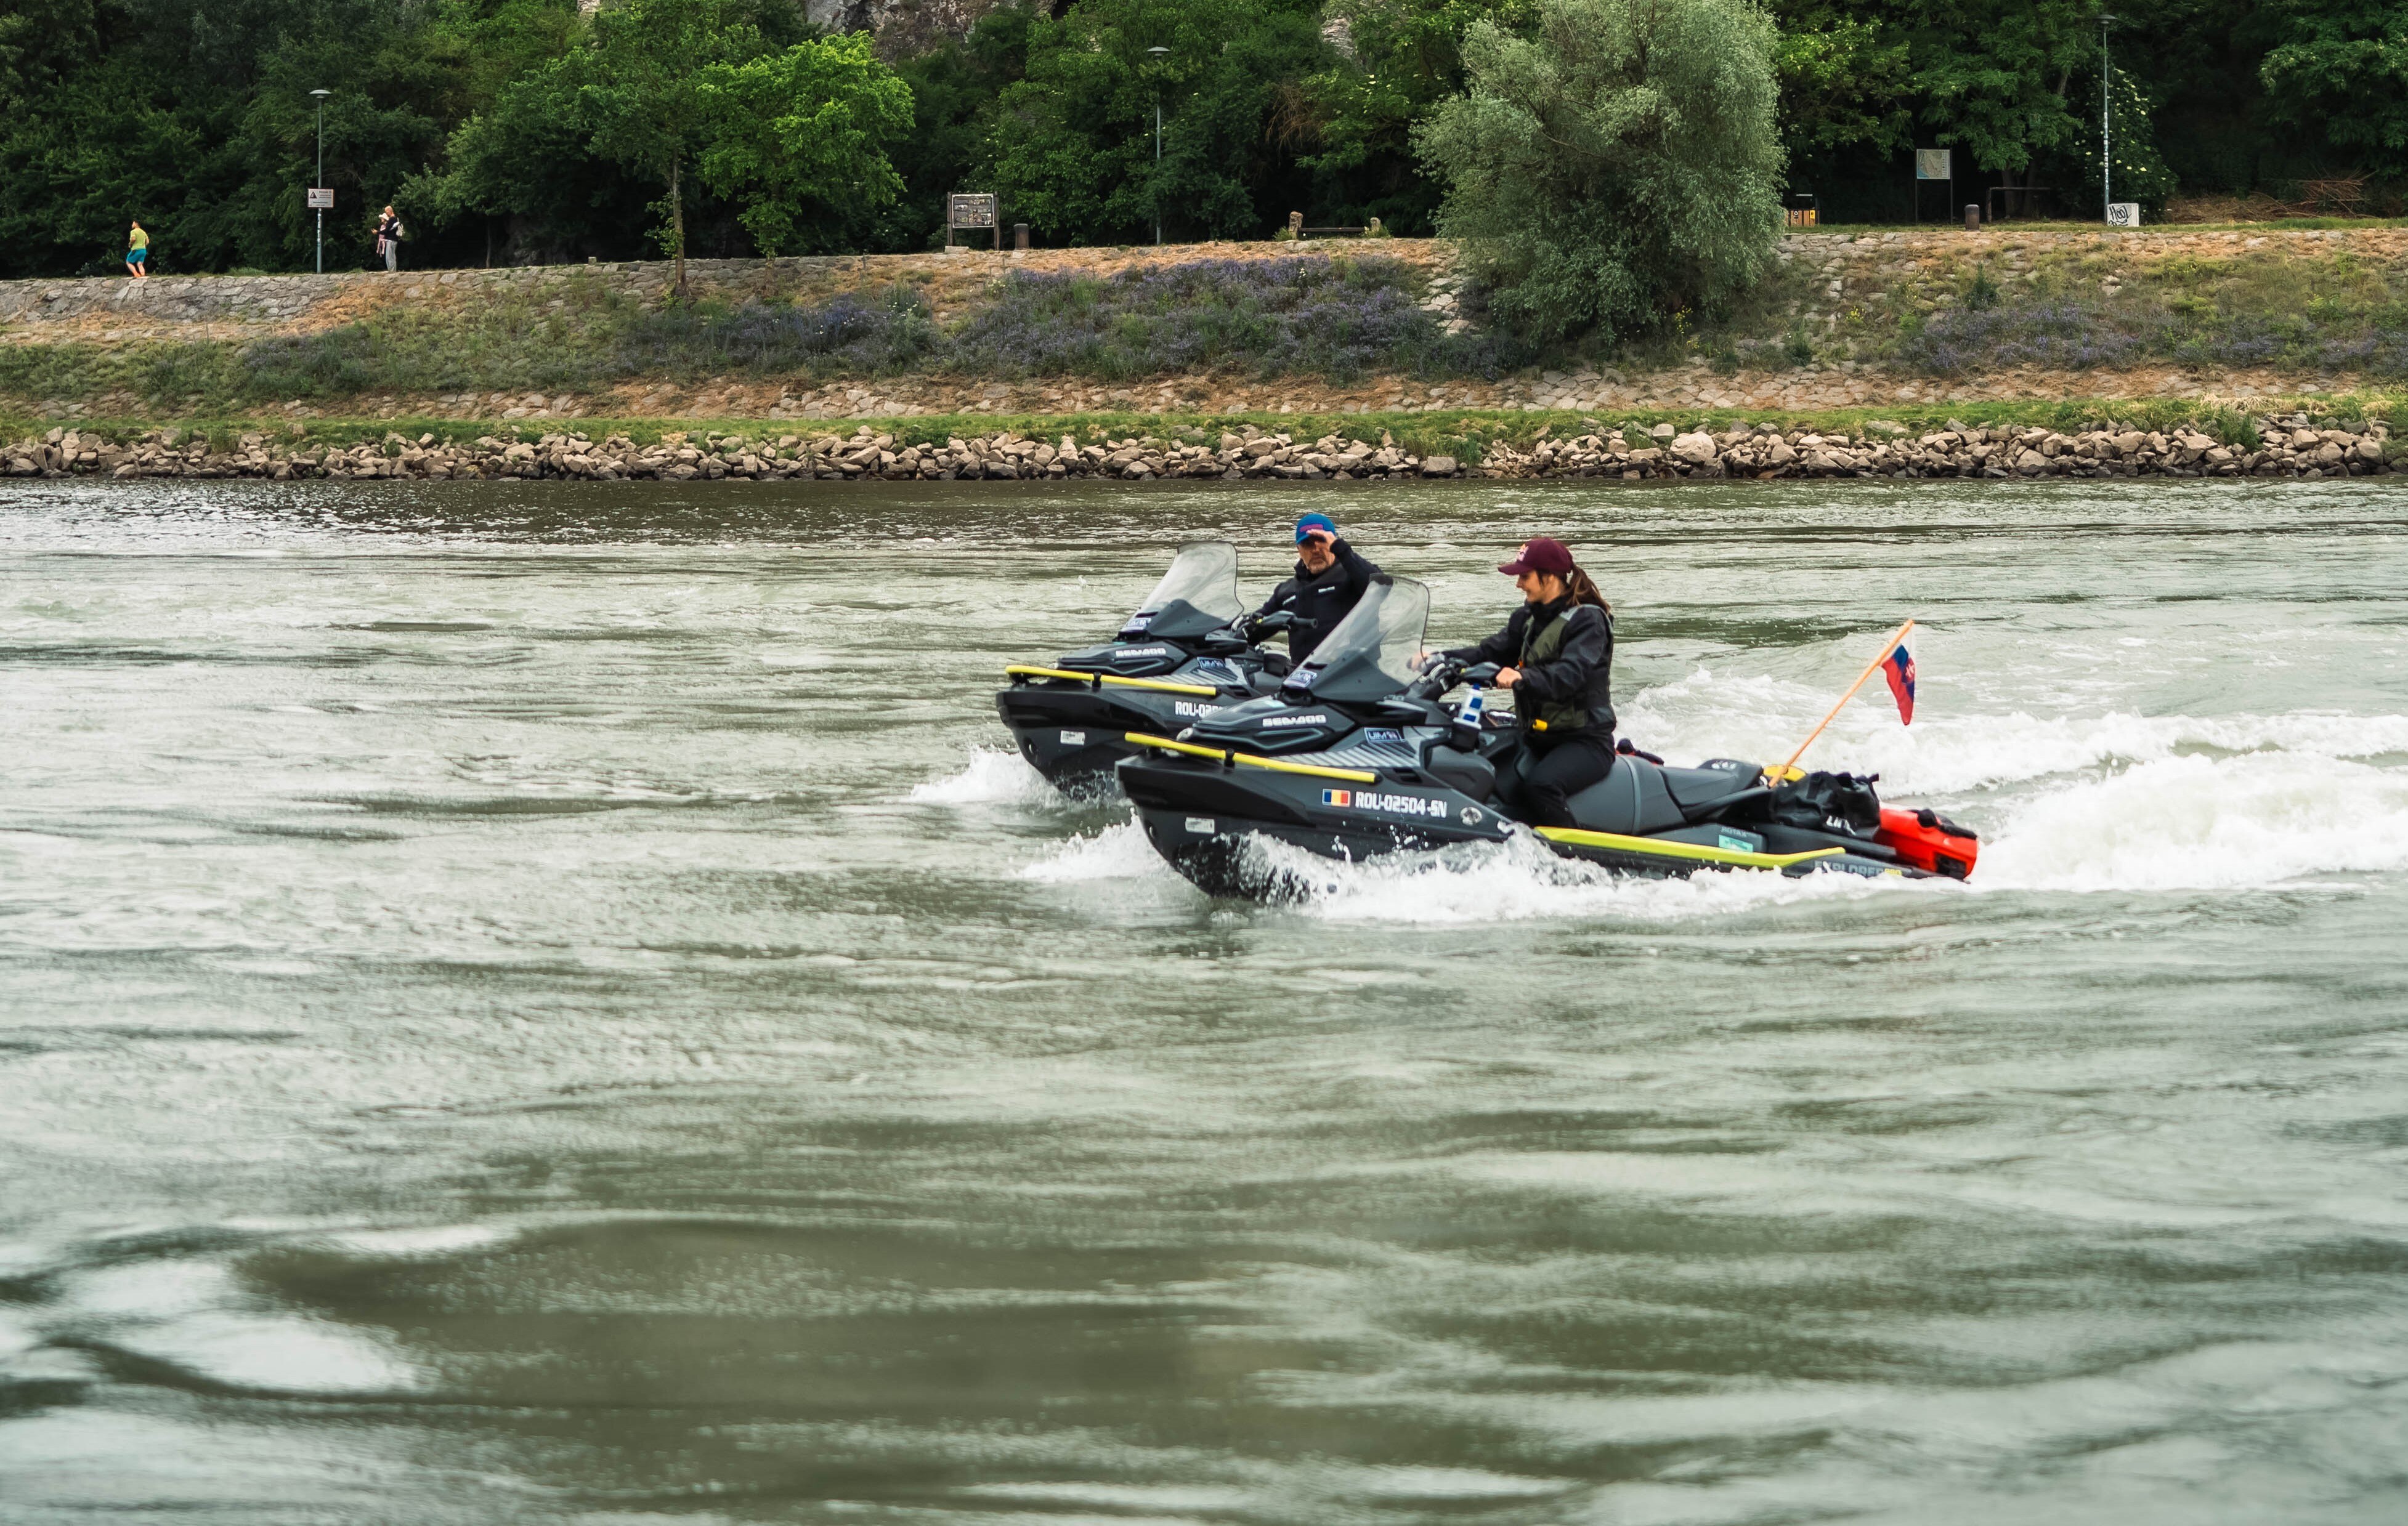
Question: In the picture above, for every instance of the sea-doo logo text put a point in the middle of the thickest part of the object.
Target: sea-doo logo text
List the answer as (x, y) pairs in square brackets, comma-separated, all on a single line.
[(1142, 651), (1365, 800), (1295, 721)]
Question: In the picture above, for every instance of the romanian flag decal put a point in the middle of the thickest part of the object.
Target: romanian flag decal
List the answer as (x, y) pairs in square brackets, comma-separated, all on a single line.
[(1337, 797)]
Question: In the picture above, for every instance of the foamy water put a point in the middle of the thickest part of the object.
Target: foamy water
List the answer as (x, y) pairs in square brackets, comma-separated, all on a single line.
[(2115, 802)]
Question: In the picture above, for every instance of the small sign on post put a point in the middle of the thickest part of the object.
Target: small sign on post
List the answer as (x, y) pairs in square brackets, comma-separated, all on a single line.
[(971, 211), (2123, 214), (1932, 165), (322, 198)]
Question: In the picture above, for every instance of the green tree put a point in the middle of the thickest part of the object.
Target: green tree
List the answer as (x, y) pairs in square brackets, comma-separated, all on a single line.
[(2340, 69), (955, 88), (1395, 61), (1623, 164), (638, 89), (2142, 174), (1997, 78), (1844, 81), (1070, 145), (809, 123), (729, 93)]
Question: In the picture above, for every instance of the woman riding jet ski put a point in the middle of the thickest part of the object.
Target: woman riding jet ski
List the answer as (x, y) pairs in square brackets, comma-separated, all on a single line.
[(1357, 756), (1176, 658)]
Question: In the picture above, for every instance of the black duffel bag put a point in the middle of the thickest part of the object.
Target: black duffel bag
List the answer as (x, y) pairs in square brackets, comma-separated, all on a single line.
[(1828, 803)]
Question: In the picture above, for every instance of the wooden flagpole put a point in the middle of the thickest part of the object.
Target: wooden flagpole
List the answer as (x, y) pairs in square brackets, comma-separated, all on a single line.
[(1870, 668)]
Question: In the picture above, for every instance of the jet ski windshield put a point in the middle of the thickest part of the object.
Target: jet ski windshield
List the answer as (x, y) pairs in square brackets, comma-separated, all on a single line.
[(1198, 593), (1370, 654)]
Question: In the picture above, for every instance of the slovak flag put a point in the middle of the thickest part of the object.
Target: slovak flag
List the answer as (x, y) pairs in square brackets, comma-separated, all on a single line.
[(1898, 668)]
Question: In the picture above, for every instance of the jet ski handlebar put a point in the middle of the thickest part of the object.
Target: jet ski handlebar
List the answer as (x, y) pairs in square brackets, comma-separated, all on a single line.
[(1440, 674)]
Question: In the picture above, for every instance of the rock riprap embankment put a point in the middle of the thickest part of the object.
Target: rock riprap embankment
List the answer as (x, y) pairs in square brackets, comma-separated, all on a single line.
[(2295, 446)]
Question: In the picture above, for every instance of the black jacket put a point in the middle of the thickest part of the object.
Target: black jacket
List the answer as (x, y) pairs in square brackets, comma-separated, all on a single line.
[(1319, 600), (1580, 677)]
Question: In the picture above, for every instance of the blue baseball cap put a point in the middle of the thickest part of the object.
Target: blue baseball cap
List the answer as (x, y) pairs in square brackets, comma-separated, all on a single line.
[(1309, 523)]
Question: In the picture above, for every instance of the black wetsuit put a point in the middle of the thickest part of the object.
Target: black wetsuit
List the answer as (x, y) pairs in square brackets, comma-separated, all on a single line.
[(1319, 600), (1564, 704)]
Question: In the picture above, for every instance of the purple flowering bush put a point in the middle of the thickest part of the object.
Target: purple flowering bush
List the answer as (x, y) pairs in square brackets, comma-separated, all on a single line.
[(1337, 317), (2076, 335), (852, 331)]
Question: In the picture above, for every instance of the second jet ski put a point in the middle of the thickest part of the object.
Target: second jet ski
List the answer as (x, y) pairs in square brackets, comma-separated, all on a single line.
[(1175, 659), (1359, 756)]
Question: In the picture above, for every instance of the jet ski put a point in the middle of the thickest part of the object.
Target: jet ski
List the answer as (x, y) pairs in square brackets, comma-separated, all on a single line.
[(1178, 657), (1358, 757)]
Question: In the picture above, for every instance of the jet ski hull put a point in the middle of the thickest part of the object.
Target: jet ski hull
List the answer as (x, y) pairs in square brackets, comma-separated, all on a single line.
[(1204, 817), (1074, 736)]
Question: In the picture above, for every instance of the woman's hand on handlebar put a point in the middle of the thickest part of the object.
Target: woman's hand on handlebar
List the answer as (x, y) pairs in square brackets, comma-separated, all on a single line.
[(1508, 676)]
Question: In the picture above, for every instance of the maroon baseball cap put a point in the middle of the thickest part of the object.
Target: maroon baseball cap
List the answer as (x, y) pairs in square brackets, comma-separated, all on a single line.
[(1540, 554)]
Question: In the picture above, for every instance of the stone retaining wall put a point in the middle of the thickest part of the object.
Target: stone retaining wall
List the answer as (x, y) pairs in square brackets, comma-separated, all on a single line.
[(2292, 447)]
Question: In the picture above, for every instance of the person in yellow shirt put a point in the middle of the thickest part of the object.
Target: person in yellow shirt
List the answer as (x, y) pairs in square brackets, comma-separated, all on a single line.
[(137, 253)]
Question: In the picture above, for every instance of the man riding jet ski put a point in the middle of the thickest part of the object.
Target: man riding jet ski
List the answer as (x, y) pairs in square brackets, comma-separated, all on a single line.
[(1177, 657), (1357, 756), (1330, 577)]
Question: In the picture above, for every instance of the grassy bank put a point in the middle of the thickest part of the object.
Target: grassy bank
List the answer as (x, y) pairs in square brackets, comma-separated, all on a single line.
[(1223, 332), (1335, 318)]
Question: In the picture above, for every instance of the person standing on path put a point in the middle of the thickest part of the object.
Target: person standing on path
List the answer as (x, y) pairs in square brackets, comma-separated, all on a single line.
[(389, 240), (137, 252)]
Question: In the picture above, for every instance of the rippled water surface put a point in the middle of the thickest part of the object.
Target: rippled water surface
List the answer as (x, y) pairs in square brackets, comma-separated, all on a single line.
[(552, 1004)]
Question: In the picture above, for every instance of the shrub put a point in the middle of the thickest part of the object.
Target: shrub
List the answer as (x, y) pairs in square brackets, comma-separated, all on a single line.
[(1620, 166)]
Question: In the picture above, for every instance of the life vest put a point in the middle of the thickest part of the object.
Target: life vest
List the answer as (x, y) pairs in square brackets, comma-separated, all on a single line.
[(1543, 643)]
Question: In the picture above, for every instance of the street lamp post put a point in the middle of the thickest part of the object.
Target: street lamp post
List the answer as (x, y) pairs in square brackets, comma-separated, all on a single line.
[(321, 179), (2106, 161), (1158, 54)]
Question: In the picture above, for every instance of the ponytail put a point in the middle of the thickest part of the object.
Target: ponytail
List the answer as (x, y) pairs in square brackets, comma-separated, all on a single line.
[(1583, 589)]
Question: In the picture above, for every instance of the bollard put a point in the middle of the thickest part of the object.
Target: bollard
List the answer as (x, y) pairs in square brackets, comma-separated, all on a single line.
[(1974, 216), (1020, 235)]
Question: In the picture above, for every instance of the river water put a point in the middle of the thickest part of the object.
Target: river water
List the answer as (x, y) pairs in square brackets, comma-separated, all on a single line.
[(552, 1004)]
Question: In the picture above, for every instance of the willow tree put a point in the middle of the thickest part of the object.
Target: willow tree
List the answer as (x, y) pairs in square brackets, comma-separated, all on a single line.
[(1622, 166)]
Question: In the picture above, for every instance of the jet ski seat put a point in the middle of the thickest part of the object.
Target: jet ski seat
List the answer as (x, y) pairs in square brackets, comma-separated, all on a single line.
[(1630, 799), (1699, 788)]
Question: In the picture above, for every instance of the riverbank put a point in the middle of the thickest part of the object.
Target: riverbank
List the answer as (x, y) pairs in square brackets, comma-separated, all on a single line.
[(1936, 321), (2292, 444)]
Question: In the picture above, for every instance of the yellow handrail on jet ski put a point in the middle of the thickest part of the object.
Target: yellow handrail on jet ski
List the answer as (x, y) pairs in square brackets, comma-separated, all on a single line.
[(1096, 679), (1352, 775), (1695, 852)]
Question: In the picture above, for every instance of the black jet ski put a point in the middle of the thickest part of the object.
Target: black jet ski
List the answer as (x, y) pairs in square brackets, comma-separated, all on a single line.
[(1358, 757), (1177, 658)]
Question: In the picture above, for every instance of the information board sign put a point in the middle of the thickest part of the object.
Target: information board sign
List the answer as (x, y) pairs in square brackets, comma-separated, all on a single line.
[(970, 211), (322, 196), (1931, 163)]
